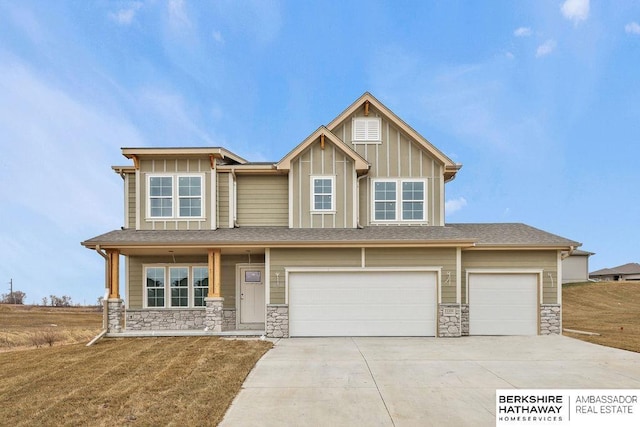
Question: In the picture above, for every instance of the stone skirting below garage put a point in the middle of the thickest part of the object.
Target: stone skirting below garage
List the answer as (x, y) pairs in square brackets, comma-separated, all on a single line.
[(277, 321), (550, 321), (449, 320)]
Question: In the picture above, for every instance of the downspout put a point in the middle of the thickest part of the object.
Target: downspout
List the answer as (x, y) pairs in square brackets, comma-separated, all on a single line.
[(358, 225), (235, 199), (572, 249), (105, 318)]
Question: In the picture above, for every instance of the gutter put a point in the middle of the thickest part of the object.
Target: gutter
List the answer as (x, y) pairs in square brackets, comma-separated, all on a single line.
[(106, 293), (358, 225)]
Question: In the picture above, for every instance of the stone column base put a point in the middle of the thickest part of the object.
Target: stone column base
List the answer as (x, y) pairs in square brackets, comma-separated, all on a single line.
[(213, 316), (115, 311), (449, 320), (550, 320), (465, 319), (277, 321)]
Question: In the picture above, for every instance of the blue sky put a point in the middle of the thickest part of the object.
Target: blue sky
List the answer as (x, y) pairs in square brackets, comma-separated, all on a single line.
[(539, 100)]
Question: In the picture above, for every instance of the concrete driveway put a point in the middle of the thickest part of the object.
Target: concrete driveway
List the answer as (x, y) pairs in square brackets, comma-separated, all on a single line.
[(416, 381)]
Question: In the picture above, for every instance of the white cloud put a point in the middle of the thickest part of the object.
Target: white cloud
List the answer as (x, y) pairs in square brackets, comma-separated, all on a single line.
[(575, 10), (522, 32), (632, 28), (454, 205), (72, 145), (546, 48), (177, 14), (125, 16), (217, 36)]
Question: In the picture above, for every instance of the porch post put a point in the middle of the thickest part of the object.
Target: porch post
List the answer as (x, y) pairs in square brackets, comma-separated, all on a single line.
[(114, 273), (214, 273), (213, 301), (114, 303)]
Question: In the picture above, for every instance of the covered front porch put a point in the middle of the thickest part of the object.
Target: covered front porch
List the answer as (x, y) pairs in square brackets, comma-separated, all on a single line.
[(180, 291)]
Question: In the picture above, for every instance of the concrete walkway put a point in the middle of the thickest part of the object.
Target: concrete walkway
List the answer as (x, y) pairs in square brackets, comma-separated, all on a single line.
[(416, 381)]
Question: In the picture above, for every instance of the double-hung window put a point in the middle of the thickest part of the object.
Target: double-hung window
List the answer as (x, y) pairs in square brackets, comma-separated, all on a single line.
[(155, 286), (190, 196), (179, 284), (161, 196), (175, 196), (200, 285), (322, 189), (413, 200), (398, 200), (385, 201)]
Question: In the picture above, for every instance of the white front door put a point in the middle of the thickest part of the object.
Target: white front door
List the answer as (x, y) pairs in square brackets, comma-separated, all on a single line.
[(252, 294)]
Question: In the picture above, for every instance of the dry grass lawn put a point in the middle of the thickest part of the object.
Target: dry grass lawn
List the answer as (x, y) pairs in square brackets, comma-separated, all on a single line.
[(611, 309), (142, 381), (23, 326)]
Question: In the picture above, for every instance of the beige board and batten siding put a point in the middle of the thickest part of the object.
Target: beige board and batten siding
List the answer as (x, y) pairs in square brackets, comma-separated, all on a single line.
[(130, 188), (395, 157), (172, 167), (318, 162), (263, 200), (287, 258), (443, 258), (508, 260), (222, 199)]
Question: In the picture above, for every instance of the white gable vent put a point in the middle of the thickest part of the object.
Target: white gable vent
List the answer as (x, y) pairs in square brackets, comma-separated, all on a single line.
[(366, 129)]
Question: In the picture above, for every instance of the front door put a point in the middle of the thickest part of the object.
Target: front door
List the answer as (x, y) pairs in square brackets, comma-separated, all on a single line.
[(252, 295)]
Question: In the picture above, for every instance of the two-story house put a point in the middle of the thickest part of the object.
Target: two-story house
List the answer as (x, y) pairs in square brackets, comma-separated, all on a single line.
[(344, 236)]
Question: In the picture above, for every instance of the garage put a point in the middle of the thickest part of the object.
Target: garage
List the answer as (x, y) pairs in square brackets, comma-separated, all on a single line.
[(362, 303), (503, 303)]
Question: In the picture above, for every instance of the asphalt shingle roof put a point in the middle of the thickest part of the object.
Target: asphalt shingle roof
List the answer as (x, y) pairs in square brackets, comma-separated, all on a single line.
[(630, 268), (506, 234)]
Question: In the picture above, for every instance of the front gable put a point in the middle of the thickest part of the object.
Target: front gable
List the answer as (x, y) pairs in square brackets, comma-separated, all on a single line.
[(323, 175), (391, 146), (406, 182)]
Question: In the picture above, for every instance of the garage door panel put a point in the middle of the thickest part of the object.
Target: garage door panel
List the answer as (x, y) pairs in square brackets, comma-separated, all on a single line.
[(363, 303), (503, 304)]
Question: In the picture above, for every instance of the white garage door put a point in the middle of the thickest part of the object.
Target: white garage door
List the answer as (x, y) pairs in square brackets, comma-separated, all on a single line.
[(503, 304), (362, 303)]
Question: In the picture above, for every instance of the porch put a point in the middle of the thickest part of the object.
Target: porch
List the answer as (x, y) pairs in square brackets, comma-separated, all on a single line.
[(186, 292)]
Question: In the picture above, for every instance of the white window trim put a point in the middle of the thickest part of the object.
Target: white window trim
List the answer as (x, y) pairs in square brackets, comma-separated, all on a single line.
[(366, 140), (398, 202), (175, 196), (333, 194), (167, 286)]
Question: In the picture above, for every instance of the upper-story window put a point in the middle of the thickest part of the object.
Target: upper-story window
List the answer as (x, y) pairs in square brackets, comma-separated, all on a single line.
[(397, 200), (366, 130), (161, 196), (322, 189), (175, 196)]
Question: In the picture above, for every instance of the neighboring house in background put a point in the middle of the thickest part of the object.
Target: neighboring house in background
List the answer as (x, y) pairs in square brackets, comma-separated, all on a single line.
[(344, 236), (629, 271), (575, 266)]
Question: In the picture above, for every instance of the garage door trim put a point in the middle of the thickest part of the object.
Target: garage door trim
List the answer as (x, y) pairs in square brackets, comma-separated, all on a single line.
[(433, 272), (537, 271)]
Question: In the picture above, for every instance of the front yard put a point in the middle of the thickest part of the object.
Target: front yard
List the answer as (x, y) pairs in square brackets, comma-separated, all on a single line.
[(146, 381)]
